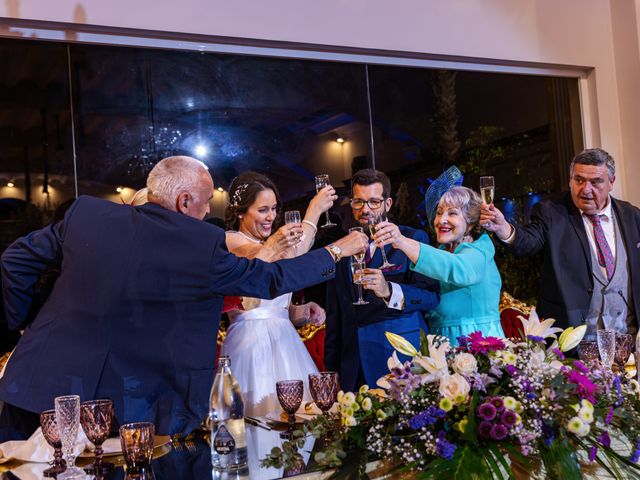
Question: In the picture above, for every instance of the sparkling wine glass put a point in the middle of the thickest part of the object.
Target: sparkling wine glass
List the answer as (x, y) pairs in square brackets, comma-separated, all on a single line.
[(292, 216), (624, 345), (51, 435), (324, 388), (68, 421), (357, 266), (606, 346), (290, 397), (95, 418), (378, 218), (321, 182), (487, 189)]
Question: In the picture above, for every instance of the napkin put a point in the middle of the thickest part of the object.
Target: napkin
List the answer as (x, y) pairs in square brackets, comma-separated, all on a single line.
[(36, 449)]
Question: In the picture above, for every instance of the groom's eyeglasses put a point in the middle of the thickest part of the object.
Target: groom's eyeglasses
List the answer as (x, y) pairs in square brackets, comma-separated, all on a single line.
[(374, 203)]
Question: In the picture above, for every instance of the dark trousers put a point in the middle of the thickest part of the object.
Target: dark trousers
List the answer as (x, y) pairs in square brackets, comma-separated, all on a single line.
[(17, 423)]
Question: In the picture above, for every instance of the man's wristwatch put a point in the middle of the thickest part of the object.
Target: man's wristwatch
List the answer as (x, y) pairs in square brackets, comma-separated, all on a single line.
[(335, 251)]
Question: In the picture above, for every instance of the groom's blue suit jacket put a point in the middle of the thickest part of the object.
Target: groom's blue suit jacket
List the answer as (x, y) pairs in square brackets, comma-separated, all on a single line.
[(134, 314), (355, 337)]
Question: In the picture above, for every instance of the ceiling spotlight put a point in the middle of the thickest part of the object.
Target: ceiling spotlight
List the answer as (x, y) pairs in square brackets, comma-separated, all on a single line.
[(340, 140), (201, 150), (10, 184), (119, 189), (220, 189)]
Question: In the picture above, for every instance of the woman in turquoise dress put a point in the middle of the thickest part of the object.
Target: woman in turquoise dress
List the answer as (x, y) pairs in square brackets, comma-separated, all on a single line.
[(463, 264)]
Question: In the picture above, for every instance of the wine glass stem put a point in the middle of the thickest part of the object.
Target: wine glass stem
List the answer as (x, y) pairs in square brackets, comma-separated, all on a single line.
[(360, 292), (326, 214), (98, 456), (292, 422)]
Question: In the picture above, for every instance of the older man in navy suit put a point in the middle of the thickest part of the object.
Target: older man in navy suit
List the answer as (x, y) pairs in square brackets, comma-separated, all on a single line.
[(355, 344), (134, 314)]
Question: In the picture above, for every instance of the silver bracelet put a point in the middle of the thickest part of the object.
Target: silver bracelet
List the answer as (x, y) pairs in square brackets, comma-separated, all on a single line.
[(315, 229)]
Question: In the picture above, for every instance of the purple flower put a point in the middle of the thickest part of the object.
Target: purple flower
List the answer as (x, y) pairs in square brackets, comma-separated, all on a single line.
[(485, 429), (604, 439), (593, 452), (511, 370), (426, 417), (585, 388), (498, 432), (496, 371), (444, 448), (636, 453), (481, 381), (558, 353), (548, 434), (609, 416), (580, 366), (403, 382), (616, 382), (498, 403), (535, 338), (509, 418), (487, 411)]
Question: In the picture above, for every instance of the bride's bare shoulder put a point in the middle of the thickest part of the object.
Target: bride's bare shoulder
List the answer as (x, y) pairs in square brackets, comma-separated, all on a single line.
[(240, 245)]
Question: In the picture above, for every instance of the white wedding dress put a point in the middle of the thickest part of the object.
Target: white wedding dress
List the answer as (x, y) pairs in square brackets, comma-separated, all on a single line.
[(264, 348)]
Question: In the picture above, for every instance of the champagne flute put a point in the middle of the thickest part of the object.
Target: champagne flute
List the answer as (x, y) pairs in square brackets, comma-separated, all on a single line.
[(292, 216), (606, 346), (378, 218), (357, 266), (68, 422), (321, 182), (487, 189)]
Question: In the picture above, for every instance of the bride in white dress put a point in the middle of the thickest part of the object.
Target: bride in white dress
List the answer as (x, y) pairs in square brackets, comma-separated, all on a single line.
[(262, 341)]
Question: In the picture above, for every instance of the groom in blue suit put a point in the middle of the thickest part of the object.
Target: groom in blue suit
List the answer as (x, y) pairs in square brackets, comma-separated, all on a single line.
[(134, 314), (355, 343)]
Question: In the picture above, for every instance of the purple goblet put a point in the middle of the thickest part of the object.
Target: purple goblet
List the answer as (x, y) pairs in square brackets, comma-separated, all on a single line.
[(95, 418), (588, 351), (51, 435), (290, 397), (624, 344), (324, 388)]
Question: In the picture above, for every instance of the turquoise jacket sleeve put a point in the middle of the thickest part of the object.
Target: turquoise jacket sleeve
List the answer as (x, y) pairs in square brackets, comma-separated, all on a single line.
[(466, 266)]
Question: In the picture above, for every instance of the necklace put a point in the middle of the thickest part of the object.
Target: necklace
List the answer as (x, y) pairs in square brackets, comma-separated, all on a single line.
[(254, 240)]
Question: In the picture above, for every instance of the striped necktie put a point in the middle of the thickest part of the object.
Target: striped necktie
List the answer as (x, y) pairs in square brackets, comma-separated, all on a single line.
[(605, 257)]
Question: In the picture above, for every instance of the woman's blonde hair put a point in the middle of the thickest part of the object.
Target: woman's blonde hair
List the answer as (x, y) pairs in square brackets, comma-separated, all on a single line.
[(469, 202)]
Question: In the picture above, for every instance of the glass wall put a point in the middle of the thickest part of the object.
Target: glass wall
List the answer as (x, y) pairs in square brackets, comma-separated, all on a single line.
[(289, 118)]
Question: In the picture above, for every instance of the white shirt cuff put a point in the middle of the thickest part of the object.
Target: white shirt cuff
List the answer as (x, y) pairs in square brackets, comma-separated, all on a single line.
[(396, 300)]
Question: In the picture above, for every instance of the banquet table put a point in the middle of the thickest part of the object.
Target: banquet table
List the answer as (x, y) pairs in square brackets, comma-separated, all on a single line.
[(190, 458)]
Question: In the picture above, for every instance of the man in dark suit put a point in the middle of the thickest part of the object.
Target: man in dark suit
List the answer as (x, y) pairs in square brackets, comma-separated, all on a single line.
[(134, 314), (591, 245), (355, 345)]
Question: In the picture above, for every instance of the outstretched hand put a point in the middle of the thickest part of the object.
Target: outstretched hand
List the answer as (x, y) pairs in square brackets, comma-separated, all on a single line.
[(355, 242), (287, 236), (388, 233), (323, 200), (492, 220)]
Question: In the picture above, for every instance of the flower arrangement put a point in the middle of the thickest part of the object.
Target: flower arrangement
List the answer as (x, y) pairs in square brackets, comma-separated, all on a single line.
[(477, 410)]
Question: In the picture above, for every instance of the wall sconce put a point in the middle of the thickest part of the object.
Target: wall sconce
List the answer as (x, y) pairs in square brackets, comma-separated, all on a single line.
[(10, 184), (340, 139), (220, 189), (119, 189)]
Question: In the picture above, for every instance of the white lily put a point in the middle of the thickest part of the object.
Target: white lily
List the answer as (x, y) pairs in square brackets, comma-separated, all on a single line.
[(401, 344), (571, 337), (534, 327), (392, 362), (436, 363)]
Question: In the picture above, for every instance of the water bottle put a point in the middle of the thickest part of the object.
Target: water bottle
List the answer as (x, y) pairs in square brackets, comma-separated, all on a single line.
[(226, 414)]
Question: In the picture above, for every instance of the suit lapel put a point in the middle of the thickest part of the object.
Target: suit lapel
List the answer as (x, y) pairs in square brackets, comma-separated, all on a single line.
[(578, 225)]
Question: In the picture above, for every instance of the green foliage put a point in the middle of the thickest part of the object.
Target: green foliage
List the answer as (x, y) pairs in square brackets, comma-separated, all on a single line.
[(560, 461)]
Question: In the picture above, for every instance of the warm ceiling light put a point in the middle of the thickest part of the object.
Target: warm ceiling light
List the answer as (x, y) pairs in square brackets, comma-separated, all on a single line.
[(220, 189), (10, 184), (119, 189), (340, 140)]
